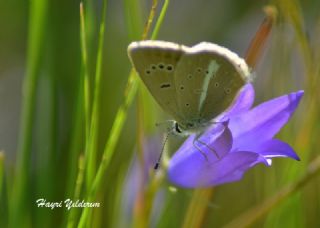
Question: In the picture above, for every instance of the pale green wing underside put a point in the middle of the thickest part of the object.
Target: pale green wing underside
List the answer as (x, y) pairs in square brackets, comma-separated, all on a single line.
[(207, 83), (195, 84)]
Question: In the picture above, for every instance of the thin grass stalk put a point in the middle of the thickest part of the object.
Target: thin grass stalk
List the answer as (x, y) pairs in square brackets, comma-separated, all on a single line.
[(116, 129), (3, 193), (133, 18), (163, 12), (19, 207), (86, 78), (139, 212), (72, 218), (1, 172), (91, 148), (81, 116)]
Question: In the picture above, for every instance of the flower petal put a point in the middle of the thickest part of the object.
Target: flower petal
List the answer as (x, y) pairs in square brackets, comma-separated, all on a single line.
[(264, 121), (212, 145), (244, 100), (276, 148), (196, 172), (218, 137)]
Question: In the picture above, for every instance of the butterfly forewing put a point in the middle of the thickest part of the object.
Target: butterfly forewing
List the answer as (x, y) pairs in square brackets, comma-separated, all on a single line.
[(156, 62)]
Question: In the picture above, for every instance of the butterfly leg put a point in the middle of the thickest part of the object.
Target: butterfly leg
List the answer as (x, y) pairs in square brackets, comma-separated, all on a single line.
[(203, 143), (199, 149)]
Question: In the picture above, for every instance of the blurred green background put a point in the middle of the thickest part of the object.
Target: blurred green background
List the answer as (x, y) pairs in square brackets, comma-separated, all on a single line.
[(289, 62)]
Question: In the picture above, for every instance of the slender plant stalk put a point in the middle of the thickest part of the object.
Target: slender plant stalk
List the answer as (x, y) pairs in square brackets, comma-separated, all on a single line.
[(1, 172), (163, 12), (82, 110), (258, 42), (156, 178), (130, 93), (91, 148), (147, 27), (133, 18), (139, 212), (73, 213), (3, 193), (251, 216), (86, 80), (19, 211), (198, 208)]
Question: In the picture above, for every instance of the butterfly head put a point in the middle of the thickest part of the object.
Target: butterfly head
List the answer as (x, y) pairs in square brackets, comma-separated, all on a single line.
[(188, 128)]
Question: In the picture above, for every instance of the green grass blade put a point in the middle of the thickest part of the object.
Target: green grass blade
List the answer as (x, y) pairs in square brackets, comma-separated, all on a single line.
[(19, 212), (91, 151), (116, 129)]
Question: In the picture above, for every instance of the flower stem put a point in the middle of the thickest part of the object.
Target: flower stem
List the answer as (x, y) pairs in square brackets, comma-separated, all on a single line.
[(198, 208)]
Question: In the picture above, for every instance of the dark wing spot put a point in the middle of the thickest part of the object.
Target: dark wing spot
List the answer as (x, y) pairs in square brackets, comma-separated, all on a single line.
[(189, 76), (207, 72), (153, 67), (148, 71), (161, 66), (227, 90), (182, 87), (167, 85), (187, 104), (216, 84), (199, 70), (169, 67)]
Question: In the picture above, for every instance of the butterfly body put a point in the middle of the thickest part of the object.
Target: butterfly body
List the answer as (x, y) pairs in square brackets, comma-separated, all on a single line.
[(192, 84)]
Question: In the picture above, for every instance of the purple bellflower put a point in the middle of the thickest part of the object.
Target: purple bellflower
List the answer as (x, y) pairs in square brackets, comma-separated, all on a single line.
[(242, 139)]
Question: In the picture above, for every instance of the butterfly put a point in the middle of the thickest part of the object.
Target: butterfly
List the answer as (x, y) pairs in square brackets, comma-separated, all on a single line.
[(194, 84)]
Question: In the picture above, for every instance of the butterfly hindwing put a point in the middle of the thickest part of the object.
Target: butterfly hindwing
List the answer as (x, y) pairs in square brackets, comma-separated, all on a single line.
[(207, 83)]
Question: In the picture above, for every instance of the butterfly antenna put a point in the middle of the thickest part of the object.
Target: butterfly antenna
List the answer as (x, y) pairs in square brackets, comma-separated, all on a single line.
[(160, 155)]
